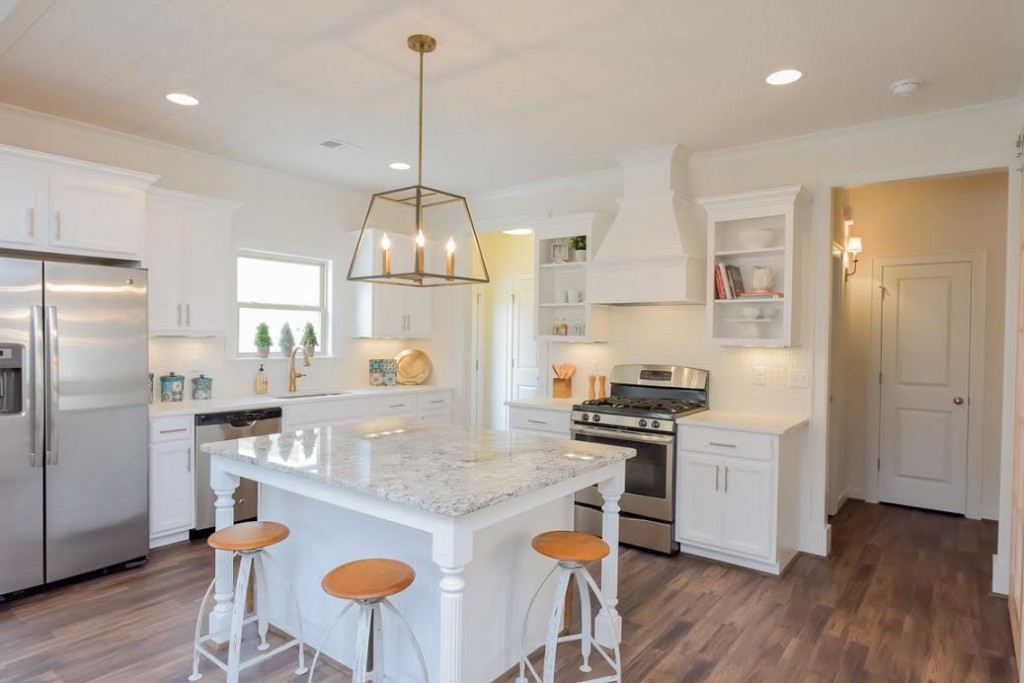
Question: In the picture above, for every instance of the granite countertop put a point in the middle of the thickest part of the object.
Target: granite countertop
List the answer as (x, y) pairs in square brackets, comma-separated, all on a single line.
[(217, 405), (441, 469), (763, 423), (557, 404)]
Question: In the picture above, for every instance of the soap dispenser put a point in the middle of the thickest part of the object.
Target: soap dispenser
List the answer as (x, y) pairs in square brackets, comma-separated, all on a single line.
[(261, 382)]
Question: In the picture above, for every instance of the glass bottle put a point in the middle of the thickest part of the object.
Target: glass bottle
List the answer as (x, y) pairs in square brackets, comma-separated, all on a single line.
[(261, 383)]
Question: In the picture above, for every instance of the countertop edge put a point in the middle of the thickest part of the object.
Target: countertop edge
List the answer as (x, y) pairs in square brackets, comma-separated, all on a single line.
[(760, 423), (554, 405)]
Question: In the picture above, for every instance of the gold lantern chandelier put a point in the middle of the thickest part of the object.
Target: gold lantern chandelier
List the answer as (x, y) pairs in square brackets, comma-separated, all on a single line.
[(418, 236)]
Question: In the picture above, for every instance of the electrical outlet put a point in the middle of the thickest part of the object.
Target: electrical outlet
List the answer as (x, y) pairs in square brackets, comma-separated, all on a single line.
[(799, 378), (760, 376)]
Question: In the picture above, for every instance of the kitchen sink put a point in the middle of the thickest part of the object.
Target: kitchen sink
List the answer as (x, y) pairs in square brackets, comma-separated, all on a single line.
[(312, 394)]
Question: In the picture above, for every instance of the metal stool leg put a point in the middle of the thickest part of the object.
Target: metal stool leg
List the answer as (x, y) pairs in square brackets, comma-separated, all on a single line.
[(298, 614), (408, 632), (238, 616), (262, 599), (327, 634), (555, 625), (617, 664), (362, 643), (377, 641), (586, 632), (523, 662), (196, 675)]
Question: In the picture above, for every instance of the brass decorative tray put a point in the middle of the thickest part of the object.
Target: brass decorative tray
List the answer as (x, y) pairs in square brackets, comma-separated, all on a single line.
[(414, 366)]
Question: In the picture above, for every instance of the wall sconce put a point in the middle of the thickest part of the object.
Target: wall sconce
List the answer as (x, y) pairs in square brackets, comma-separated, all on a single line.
[(853, 249)]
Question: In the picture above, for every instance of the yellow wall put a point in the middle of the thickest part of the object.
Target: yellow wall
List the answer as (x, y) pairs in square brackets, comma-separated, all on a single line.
[(931, 216)]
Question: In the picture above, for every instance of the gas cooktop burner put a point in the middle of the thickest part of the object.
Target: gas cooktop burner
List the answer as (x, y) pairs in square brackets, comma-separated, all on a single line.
[(642, 405)]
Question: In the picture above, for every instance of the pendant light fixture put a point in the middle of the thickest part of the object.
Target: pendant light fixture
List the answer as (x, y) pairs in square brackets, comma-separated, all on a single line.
[(418, 236)]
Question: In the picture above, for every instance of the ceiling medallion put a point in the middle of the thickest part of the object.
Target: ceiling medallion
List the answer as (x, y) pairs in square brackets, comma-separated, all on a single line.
[(418, 236)]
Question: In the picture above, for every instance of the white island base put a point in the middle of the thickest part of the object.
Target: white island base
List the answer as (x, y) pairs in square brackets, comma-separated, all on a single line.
[(475, 568)]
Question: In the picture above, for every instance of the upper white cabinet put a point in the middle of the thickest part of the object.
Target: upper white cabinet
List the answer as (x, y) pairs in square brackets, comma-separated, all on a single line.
[(52, 204), (393, 311), (189, 260), (753, 241), (564, 313)]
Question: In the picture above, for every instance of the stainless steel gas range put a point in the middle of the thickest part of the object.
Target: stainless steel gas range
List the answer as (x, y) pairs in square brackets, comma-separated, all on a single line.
[(641, 413)]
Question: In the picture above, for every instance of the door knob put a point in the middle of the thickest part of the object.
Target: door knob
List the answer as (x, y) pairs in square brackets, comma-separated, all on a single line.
[(959, 400)]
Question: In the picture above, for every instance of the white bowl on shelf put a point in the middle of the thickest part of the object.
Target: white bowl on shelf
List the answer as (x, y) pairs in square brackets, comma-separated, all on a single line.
[(756, 238), (748, 312)]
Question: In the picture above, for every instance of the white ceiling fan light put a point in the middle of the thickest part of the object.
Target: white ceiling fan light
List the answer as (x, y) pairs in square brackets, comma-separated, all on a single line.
[(904, 86), (784, 77), (182, 99)]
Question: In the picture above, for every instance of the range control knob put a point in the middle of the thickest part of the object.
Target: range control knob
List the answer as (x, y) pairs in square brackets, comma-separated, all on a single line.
[(656, 424), (586, 418), (596, 418), (643, 423)]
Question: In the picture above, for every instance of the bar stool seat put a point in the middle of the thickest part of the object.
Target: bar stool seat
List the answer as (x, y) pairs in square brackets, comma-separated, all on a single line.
[(367, 584), (368, 579), (248, 536), (572, 550), (249, 541)]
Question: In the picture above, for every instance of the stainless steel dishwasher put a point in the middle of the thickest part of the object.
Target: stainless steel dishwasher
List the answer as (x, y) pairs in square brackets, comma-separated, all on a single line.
[(220, 427)]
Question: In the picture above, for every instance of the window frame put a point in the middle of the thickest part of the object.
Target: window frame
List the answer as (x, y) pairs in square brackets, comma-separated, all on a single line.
[(324, 309)]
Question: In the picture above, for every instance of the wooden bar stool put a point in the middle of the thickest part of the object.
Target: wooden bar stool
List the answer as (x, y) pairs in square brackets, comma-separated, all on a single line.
[(247, 540), (368, 583), (572, 550)]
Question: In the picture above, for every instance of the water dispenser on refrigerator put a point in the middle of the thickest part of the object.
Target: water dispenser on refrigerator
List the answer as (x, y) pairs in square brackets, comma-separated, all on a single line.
[(11, 360)]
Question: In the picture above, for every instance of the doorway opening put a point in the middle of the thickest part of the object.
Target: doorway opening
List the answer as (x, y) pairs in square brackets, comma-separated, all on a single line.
[(504, 339), (916, 377)]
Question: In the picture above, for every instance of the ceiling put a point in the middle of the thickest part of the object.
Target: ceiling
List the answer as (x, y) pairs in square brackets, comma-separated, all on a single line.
[(516, 92)]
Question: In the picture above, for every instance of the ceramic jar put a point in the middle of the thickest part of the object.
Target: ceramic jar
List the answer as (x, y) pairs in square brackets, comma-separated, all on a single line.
[(172, 387), (202, 388)]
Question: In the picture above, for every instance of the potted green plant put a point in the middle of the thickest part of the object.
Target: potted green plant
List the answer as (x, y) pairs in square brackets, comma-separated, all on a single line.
[(286, 341), (263, 340), (579, 247), (309, 339)]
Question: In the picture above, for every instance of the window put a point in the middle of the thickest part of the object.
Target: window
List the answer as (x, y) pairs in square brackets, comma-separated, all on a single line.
[(277, 289)]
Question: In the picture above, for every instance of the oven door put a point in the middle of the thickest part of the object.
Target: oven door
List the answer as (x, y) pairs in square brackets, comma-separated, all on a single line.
[(649, 476)]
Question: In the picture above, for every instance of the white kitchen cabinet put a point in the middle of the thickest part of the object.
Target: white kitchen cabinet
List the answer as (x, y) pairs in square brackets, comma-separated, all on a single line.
[(430, 407), (171, 480), (539, 421), (189, 261), (392, 311), (53, 204), (780, 218), (736, 498)]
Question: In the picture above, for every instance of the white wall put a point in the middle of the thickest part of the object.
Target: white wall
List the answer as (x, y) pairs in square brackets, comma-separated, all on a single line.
[(280, 212), (962, 140)]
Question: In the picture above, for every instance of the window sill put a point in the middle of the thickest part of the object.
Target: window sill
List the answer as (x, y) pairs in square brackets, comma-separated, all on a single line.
[(272, 357)]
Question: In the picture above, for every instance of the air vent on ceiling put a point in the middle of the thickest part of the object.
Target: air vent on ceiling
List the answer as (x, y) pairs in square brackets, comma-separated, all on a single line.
[(335, 143)]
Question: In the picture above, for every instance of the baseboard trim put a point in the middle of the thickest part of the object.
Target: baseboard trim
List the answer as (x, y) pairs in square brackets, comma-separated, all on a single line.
[(772, 568), (167, 539)]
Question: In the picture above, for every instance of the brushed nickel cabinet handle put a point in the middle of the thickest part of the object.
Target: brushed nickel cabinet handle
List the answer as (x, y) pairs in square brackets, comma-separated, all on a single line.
[(727, 479), (717, 468), (537, 422), (188, 459), (57, 229), (179, 315), (173, 431), (721, 445), (396, 405), (188, 315), (31, 222)]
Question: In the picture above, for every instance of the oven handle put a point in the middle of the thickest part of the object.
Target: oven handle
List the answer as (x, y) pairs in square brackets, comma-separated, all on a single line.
[(622, 434)]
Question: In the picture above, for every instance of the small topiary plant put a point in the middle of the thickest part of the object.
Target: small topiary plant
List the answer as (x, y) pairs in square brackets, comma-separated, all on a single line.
[(286, 341), (309, 336), (263, 335)]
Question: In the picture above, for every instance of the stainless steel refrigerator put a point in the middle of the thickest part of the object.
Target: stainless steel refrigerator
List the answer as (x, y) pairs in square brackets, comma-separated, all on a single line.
[(74, 472)]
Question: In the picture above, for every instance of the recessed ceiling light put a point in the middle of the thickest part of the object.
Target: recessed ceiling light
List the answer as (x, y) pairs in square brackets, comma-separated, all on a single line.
[(400, 166), (904, 86), (784, 77), (182, 99), (519, 231)]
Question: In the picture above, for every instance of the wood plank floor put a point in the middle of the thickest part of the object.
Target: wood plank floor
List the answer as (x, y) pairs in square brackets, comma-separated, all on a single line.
[(904, 598)]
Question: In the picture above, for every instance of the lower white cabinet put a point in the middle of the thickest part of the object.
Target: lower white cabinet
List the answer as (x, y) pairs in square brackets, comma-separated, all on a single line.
[(171, 480), (432, 407), (735, 497), (539, 421)]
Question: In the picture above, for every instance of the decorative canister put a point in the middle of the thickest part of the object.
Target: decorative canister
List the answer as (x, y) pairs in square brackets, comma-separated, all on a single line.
[(151, 387), (202, 388), (172, 387)]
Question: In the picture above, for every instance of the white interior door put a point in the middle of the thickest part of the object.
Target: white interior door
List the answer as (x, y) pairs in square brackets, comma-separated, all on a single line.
[(524, 372), (925, 354)]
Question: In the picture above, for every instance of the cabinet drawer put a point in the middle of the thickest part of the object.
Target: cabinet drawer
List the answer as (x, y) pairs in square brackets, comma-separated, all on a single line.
[(301, 415), (384, 406), (531, 419), (727, 442), (432, 402), (171, 428)]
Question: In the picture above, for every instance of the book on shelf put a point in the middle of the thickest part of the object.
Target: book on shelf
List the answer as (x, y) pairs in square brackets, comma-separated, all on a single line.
[(719, 285), (760, 295), (735, 280), (728, 281)]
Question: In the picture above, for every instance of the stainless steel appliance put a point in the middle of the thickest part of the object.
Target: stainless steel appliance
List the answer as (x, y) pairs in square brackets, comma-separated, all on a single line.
[(74, 424), (220, 427), (641, 413)]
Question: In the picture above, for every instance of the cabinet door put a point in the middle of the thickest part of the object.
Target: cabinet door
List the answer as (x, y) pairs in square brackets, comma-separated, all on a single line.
[(206, 271), (749, 512), (166, 315), (97, 215), (700, 499), (23, 205), (171, 487), (417, 307), (388, 311)]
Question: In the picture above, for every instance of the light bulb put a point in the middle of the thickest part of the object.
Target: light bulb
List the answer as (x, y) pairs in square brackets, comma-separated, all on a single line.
[(385, 242), (450, 246), (420, 240)]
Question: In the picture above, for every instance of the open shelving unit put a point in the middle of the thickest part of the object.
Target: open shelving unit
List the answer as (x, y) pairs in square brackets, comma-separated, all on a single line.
[(734, 222)]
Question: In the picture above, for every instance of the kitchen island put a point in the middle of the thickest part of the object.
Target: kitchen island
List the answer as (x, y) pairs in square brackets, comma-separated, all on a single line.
[(460, 506)]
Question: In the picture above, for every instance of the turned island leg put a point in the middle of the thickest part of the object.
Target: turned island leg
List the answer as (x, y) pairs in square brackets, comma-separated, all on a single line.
[(452, 551), (608, 624), (224, 485)]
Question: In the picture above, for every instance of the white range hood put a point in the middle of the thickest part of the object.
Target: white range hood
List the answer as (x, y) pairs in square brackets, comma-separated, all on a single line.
[(655, 249)]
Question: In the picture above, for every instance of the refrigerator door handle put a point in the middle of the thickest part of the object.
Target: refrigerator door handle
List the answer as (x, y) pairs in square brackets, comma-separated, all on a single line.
[(38, 372), (53, 387)]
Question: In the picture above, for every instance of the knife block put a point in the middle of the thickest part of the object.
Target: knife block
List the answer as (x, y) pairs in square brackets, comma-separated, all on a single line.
[(561, 388)]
